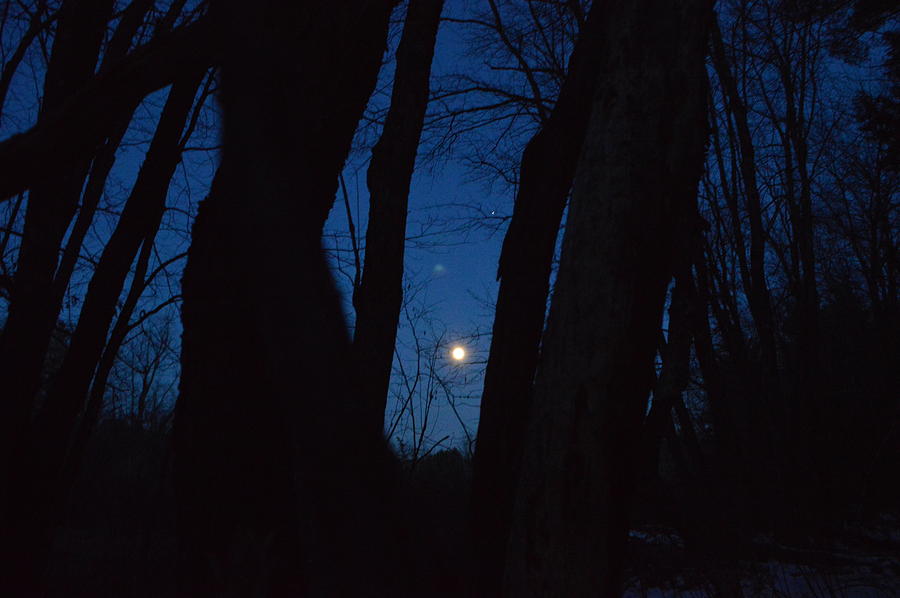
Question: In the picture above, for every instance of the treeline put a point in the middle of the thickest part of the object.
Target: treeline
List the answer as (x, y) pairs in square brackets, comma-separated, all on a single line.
[(719, 352)]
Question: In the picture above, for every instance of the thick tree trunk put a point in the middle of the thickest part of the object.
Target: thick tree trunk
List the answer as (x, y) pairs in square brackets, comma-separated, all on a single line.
[(380, 295), (548, 165), (638, 174), (277, 467)]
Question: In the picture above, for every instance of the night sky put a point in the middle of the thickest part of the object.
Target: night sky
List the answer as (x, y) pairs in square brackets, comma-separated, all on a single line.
[(456, 220)]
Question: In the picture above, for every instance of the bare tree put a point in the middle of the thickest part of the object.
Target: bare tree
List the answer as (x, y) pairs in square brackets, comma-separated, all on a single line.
[(379, 297), (633, 184), (545, 177), (273, 453)]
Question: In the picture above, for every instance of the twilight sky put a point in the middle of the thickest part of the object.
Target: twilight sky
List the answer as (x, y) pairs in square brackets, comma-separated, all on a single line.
[(456, 220)]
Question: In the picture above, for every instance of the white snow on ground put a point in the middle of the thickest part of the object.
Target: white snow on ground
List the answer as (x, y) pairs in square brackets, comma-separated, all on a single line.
[(657, 535), (869, 574)]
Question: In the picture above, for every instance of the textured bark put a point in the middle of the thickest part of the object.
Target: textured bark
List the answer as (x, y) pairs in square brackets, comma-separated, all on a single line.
[(638, 174), (548, 165), (380, 294), (274, 456)]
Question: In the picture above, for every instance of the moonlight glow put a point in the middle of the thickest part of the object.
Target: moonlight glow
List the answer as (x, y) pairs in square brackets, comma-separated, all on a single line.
[(458, 353)]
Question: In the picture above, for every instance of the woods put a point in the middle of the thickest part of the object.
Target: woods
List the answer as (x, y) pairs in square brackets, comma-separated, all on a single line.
[(691, 345)]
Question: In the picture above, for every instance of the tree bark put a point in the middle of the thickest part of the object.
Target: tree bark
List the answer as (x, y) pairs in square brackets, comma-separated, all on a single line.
[(277, 466), (380, 295), (547, 168), (638, 174)]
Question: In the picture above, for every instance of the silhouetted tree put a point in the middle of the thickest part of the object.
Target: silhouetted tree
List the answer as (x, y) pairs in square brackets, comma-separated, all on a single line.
[(545, 177), (275, 459), (37, 490), (596, 370), (380, 294)]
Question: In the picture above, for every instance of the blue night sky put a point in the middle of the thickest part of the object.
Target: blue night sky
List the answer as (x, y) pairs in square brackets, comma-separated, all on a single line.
[(455, 228)]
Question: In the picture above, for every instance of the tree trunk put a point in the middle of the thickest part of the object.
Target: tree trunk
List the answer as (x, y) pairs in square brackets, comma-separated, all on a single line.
[(548, 165), (105, 157), (277, 467), (37, 494), (51, 204), (675, 374), (380, 295), (638, 174), (74, 128)]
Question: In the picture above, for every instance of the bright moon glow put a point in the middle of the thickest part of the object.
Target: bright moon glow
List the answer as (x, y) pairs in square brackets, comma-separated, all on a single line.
[(458, 353)]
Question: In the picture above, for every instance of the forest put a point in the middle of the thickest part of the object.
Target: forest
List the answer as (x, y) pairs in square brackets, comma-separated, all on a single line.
[(227, 229)]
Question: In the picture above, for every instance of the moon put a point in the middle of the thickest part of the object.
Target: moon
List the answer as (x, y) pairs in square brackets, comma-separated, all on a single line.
[(458, 353)]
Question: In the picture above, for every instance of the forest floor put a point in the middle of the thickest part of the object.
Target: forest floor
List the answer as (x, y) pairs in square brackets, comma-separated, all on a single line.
[(119, 540), (862, 561)]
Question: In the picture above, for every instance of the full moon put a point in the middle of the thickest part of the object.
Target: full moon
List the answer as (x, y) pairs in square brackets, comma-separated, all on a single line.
[(458, 353)]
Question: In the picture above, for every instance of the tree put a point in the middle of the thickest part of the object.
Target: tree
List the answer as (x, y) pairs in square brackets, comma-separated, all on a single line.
[(273, 454), (50, 207), (379, 297), (545, 177), (633, 183), (37, 483)]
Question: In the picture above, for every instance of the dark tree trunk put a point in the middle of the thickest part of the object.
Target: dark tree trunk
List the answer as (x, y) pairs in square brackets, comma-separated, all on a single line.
[(51, 204), (638, 174), (36, 24), (72, 129), (548, 165), (139, 220), (277, 466), (380, 295), (105, 157), (674, 376), (717, 394), (37, 494), (117, 335)]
